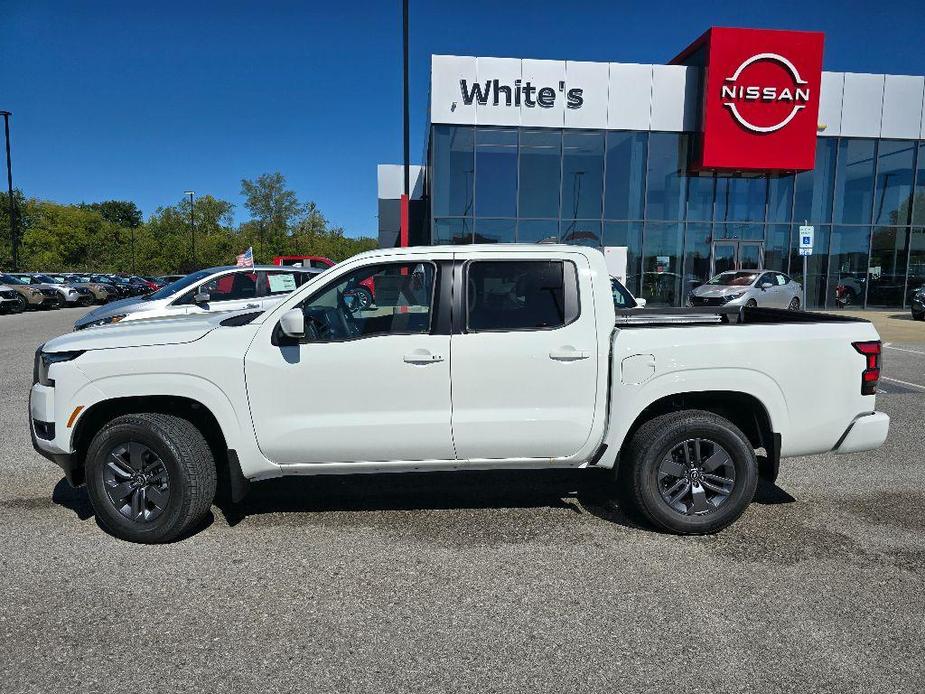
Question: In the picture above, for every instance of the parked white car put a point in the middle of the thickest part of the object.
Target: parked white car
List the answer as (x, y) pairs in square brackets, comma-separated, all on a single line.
[(471, 357), (749, 288), (216, 289)]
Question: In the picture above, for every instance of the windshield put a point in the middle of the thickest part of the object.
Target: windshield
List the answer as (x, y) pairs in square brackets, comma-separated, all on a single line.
[(46, 279), (179, 285), (621, 296), (9, 279), (734, 279)]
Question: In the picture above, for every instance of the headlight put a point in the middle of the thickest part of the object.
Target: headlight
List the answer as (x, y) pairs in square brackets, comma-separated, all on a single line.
[(36, 292), (44, 360), (105, 321), (733, 297)]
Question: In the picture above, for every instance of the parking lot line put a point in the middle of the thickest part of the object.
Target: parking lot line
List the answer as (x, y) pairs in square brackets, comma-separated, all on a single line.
[(903, 349), (905, 383)]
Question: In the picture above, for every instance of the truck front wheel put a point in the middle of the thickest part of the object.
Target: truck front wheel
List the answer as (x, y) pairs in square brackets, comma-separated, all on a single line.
[(690, 472), (150, 477)]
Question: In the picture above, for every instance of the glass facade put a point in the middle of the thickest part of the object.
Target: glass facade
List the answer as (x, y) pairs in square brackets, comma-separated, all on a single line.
[(865, 197)]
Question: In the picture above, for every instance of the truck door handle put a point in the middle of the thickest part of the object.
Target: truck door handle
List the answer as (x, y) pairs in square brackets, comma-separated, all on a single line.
[(422, 356), (252, 306), (569, 354)]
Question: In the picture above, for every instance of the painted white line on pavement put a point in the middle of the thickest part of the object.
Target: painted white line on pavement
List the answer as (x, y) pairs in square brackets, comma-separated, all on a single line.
[(889, 345), (905, 383)]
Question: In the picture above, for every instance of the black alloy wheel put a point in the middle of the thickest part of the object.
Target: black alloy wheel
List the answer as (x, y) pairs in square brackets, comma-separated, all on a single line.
[(696, 477), (794, 304), (136, 482)]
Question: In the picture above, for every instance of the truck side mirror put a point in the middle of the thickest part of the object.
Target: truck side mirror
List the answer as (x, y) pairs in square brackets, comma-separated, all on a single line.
[(201, 297), (292, 323)]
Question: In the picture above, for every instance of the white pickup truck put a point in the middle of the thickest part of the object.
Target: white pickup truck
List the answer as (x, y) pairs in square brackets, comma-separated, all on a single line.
[(468, 357)]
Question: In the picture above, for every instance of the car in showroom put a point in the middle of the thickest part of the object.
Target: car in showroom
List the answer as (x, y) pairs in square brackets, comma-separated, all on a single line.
[(34, 295), (72, 294), (482, 357), (214, 289), (751, 288), (918, 304)]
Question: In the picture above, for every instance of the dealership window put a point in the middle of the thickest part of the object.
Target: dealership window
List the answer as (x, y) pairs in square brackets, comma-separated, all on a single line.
[(453, 157), (893, 192), (540, 173), (452, 231), (582, 174), (627, 234), (581, 232), (916, 276), (854, 181), (665, 184), (495, 173), (697, 250), (537, 230), (780, 198), (918, 197), (700, 191), (495, 230), (848, 256), (624, 196), (816, 265), (889, 251), (741, 198), (741, 232), (519, 295), (777, 247), (661, 263), (813, 189)]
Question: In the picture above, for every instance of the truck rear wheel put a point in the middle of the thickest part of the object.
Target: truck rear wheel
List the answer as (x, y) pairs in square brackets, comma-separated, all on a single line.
[(690, 472), (150, 477)]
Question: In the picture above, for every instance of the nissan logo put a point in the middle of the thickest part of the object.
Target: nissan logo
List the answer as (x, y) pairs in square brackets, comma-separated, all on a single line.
[(737, 91)]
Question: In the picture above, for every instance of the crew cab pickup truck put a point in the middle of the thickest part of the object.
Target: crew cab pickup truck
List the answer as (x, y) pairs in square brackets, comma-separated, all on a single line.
[(475, 357)]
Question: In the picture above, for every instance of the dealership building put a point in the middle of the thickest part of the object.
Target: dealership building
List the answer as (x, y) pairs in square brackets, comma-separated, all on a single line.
[(711, 162)]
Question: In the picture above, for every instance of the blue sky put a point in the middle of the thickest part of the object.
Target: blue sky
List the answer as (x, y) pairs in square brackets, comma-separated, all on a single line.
[(143, 100)]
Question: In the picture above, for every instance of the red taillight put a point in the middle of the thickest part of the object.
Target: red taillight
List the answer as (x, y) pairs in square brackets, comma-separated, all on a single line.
[(871, 374)]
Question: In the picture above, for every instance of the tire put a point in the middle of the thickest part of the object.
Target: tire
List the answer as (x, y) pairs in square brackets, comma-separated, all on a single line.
[(652, 455), (177, 468), (918, 316), (364, 296), (751, 303), (21, 304), (794, 304)]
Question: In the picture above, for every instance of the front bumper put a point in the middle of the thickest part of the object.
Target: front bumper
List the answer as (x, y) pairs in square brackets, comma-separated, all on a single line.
[(866, 432), (41, 423)]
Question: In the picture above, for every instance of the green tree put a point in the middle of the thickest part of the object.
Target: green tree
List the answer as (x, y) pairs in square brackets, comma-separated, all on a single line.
[(123, 213), (273, 207)]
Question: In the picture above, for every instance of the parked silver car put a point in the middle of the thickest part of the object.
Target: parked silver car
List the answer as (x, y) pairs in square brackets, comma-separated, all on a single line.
[(214, 289), (10, 300), (748, 288), (69, 295)]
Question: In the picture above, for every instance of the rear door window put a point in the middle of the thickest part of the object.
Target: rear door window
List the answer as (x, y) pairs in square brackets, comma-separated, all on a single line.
[(520, 295)]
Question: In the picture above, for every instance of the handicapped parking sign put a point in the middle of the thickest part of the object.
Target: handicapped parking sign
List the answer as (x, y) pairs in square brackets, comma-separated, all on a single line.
[(807, 234)]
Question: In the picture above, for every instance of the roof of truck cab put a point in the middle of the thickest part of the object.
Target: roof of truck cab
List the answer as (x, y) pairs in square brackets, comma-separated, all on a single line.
[(493, 248)]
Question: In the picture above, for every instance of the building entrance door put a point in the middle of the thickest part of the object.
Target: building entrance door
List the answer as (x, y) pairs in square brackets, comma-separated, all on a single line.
[(736, 255)]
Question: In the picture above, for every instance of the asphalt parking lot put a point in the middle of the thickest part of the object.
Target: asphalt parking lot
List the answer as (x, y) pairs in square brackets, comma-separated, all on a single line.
[(469, 583)]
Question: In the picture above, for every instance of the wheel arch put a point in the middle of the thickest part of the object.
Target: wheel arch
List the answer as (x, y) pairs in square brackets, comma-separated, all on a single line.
[(744, 410), (97, 415)]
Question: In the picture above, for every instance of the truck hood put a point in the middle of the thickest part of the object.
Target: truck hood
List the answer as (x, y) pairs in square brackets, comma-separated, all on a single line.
[(140, 333)]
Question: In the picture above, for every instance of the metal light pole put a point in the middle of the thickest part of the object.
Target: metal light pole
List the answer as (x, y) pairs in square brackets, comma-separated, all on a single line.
[(14, 236), (406, 117), (192, 228)]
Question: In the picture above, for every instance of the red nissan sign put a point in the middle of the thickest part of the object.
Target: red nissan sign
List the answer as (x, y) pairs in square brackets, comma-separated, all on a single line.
[(760, 98)]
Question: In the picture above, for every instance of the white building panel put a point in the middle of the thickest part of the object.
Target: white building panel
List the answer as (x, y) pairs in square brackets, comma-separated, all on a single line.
[(391, 181), (902, 107), (496, 111), (674, 98), (862, 105), (593, 79), (830, 96), (446, 104), (630, 98), (543, 74)]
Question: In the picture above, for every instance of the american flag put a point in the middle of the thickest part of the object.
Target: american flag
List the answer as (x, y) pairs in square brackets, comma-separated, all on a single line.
[(246, 259)]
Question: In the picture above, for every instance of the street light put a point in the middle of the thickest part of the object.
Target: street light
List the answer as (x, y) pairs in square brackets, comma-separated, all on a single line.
[(192, 229), (14, 237)]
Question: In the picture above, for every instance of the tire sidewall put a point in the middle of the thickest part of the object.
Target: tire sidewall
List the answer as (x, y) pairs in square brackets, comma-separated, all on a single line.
[(165, 526), (746, 479)]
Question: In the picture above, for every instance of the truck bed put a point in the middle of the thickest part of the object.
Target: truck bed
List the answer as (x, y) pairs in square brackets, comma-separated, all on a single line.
[(720, 315)]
